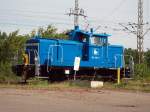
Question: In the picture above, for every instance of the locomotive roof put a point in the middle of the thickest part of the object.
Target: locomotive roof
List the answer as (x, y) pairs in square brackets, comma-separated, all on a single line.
[(41, 39), (87, 33), (101, 35)]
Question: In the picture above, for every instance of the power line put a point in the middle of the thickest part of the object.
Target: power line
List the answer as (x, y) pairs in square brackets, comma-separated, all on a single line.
[(64, 23), (33, 16), (29, 25), (54, 18), (118, 6), (31, 12), (114, 10), (94, 21)]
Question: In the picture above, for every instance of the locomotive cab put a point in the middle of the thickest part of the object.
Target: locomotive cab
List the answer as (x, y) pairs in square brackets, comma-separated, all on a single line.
[(88, 37)]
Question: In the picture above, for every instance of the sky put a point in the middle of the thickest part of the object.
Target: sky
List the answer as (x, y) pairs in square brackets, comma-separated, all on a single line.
[(103, 16)]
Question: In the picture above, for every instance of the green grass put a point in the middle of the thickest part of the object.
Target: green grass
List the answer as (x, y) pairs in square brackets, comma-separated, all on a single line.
[(58, 85), (133, 85), (43, 84)]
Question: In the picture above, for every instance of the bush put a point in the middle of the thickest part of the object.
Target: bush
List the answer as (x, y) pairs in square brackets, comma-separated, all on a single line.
[(6, 74), (142, 71)]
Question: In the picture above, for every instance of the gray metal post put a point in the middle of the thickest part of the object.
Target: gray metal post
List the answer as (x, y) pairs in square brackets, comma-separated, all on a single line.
[(140, 38), (76, 12)]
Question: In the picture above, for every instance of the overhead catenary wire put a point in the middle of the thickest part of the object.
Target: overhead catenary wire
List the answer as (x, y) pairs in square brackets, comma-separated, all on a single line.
[(29, 25), (34, 24), (43, 17), (57, 22), (114, 10), (27, 11), (91, 21), (118, 6), (47, 16)]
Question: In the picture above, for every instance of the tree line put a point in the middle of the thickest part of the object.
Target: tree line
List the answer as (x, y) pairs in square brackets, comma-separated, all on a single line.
[(134, 54)]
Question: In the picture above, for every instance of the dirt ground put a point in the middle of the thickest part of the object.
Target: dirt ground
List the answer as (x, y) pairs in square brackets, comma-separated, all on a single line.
[(75, 100)]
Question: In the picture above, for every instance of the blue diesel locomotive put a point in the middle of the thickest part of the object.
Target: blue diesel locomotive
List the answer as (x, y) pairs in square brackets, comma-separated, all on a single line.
[(54, 58)]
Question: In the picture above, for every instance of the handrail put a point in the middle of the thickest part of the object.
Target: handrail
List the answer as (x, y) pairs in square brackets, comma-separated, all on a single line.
[(116, 59), (35, 51), (132, 62), (35, 54)]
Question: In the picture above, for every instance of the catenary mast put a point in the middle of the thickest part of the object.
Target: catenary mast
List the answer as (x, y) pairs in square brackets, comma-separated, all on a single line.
[(140, 37), (76, 12)]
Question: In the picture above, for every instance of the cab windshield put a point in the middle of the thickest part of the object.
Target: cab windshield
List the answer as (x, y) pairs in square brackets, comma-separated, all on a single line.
[(100, 41)]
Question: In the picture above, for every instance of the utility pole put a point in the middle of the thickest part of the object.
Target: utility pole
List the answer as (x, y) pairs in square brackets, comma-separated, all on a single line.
[(76, 12), (138, 30), (140, 37)]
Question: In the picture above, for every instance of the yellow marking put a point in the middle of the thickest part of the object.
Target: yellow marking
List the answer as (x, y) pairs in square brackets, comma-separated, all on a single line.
[(26, 59), (118, 75)]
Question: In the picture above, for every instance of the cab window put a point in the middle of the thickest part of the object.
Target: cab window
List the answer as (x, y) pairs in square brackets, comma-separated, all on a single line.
[(98, 41), (82, 38)]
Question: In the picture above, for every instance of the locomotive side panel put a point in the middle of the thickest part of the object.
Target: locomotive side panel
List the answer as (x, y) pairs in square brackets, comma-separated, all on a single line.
[(116, 56), (63, 53), (45, 51)]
